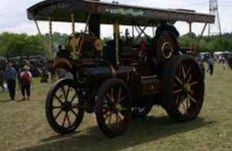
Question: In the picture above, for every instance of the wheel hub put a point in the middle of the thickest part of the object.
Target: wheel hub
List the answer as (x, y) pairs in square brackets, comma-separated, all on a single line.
[(187, 89), (118, 107), (167, 50), (66, 106)]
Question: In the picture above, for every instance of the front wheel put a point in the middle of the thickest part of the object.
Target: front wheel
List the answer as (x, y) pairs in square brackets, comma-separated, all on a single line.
[(113, 107), (64, 107), (183, 88)]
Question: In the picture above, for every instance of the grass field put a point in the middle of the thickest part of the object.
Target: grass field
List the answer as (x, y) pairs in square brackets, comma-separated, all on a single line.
[(23, 125)]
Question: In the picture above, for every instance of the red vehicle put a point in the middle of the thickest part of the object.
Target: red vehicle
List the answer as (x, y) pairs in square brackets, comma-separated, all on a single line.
[(125, 77)]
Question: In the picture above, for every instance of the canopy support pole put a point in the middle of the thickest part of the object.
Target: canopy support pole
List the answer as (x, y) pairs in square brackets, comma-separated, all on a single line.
[(133, 32), (199, 38), (37, 26), (116, 38), (74, 51), (191, 38), (73, 24), (50, 54), (46, 45)]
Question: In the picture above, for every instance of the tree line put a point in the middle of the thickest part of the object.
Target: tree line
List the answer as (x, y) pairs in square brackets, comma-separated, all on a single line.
[(12, 44), (208, 43)]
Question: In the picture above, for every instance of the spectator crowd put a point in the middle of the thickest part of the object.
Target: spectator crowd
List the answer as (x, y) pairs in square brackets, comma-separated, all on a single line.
[(10, 76)]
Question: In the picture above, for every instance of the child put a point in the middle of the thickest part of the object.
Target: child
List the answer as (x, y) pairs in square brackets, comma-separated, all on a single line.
[(25, 79)]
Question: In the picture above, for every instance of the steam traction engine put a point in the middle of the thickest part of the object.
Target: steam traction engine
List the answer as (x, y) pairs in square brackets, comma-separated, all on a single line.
[(120, 79)]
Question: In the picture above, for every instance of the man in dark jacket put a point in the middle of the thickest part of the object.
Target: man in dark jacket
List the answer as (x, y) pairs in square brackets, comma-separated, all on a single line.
[(211, 65), (10, 77)]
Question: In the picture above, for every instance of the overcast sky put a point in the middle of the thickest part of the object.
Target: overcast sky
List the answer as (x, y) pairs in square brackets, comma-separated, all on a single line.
[(13, 16)]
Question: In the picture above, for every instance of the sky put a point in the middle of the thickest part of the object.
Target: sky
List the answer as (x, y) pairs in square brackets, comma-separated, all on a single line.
[(13, 16)]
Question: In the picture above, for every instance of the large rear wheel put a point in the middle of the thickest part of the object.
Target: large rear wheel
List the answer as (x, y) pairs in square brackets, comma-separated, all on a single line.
[(183, 88)]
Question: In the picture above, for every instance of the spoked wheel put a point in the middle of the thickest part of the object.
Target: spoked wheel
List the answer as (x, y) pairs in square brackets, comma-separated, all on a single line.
[(183, 88), (113, 107), (167, 47), (64, 109), (139, 112)]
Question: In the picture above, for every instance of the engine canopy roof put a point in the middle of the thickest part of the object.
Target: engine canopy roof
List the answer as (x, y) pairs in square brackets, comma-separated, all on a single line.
[(60, 10)]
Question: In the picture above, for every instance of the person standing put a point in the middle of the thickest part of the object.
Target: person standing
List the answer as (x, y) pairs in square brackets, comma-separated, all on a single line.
[(201, 64), (10, 77), (25, 80), (211, 65), (44, 76), (2, 79), (224, 63)]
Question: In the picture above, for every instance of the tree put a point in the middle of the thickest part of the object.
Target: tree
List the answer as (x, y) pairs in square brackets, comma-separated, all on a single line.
[(24, 45), (210, 44)]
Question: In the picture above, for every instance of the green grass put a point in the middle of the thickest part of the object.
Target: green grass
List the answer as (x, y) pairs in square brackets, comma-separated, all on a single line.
[(24, 127)]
